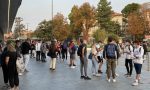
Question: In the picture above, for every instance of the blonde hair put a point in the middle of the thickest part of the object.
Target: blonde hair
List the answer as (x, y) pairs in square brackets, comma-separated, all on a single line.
[(11, 47)]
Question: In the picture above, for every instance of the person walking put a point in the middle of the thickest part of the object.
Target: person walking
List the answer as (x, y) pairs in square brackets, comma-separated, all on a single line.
[(64, 50), (10, 61), (72, 51), (111, 54), (82, 52), (53, 55), (128, 60), (138, 61), (25, 48), (43, 52), (38, 50)]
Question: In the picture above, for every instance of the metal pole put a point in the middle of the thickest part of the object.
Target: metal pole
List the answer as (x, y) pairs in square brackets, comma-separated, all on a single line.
[(8, 15), (52, 21)]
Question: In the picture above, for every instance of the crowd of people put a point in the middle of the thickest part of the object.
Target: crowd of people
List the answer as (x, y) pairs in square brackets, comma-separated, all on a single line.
[(16, 51)]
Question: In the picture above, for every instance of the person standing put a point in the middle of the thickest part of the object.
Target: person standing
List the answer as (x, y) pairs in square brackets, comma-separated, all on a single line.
[(38, 50), (138, 61), (43, 51), (64, 50), (10, 61), (128, 60), (111, 54), (53, 55), (99, 48), (94, 60), (25, 48), (33, 53), (72, 51), (83, 60)]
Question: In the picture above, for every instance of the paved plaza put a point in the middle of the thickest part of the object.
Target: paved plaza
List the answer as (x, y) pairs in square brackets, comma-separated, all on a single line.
[(40, 77)]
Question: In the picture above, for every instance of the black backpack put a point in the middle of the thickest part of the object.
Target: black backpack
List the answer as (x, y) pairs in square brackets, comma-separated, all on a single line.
[(79, 52)]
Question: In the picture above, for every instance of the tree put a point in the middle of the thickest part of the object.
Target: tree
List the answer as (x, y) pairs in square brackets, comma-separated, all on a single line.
[(99, 35), (136, 25), (44, 30), (17, 30), (104, 14), (75, 22), (60, 27), (83, 18)]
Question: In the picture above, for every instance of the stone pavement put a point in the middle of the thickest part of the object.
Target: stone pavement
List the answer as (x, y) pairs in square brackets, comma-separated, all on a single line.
[(40, 77)]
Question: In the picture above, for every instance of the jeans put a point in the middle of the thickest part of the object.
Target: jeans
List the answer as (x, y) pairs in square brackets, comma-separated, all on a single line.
[(26, 59), (94, 65), (83, 65), (129, 66), (111, 68)]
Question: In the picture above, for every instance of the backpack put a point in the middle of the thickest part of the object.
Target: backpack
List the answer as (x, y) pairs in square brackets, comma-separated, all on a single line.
[(111, 50), (79, 52)]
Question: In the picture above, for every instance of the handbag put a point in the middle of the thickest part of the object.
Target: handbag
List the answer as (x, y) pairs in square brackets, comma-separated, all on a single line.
[(90, 56), (20, 65)]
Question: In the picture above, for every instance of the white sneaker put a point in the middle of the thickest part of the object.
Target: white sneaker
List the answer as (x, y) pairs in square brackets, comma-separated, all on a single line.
[(117, 75), (108, 80), (114, 80), (98, 75), (94, 74), (135, 83), (72, 67), (20, 74)]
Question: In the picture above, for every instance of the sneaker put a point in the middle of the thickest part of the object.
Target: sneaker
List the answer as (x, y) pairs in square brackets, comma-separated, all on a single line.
[(129, 76), (87, 78), (98, 75), (20, 74), (108, 80), (26, 70), (126, 74), (72, 67), (99, 71), (135, 83), (114, 80), (82, 77), (94, 74), (117, 75)]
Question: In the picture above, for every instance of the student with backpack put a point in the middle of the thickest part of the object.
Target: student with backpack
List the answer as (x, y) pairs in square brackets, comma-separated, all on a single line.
[(72, 51), (111, 54), (82, 53), (138, 61), (128, 60)]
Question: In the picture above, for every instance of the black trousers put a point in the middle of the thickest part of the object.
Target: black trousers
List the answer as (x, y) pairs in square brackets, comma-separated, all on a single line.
[(43, 56), (64, 54), (5, 73), (129, 66), (13, 75), (38, 54)]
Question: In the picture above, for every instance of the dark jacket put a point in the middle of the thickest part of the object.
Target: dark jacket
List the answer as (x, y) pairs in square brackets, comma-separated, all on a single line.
[(25, 47)]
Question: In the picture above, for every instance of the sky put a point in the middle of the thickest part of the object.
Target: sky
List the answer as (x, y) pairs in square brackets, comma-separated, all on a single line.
[(35, 11)]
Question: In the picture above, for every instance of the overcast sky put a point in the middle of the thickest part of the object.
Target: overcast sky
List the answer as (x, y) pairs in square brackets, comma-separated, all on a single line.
[(34, 11)]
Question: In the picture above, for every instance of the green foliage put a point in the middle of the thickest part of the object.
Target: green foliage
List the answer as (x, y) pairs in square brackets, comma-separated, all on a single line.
[(115, 37), (104, 14), (44, 30), (130, 8), (99, 35)]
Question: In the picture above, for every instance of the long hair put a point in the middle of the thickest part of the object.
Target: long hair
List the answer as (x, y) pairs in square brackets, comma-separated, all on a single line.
[(11, 47)]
